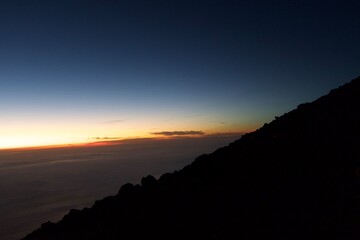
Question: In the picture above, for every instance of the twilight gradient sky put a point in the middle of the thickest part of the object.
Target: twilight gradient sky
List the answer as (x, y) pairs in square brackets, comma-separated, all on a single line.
[(75, 70)]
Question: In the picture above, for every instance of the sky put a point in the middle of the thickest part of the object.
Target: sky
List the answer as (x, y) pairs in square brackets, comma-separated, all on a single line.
[(81, 71)]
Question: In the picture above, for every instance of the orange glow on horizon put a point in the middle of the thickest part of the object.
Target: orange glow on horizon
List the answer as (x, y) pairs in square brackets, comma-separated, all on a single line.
[(65, 130), (34, 143), (35, 134)]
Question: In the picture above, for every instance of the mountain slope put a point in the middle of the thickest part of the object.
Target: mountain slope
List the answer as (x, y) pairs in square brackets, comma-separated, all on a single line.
[(295, 178)]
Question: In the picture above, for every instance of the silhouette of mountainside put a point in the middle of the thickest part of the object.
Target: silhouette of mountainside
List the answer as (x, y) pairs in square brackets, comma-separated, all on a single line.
[(295, 178)]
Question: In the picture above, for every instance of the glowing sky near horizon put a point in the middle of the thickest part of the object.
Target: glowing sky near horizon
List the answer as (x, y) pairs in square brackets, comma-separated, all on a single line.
[(72, 71)]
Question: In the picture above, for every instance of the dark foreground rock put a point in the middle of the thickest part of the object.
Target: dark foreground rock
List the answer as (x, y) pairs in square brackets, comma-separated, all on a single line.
[(297, 177)]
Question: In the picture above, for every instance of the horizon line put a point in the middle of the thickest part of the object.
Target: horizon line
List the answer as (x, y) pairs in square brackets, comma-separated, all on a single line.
[(109, 141)]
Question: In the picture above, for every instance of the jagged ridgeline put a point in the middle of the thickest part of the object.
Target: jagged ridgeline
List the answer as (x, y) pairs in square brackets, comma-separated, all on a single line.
[(297, 177)]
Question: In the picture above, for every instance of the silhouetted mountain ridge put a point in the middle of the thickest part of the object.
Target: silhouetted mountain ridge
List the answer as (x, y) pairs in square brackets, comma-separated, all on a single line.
[(295, 178)]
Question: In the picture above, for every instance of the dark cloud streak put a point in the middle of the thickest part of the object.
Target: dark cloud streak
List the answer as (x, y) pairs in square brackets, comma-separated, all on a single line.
[(178, 133)]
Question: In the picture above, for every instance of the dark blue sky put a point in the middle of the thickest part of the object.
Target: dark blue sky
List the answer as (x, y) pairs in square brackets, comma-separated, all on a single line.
[(176, 65)]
